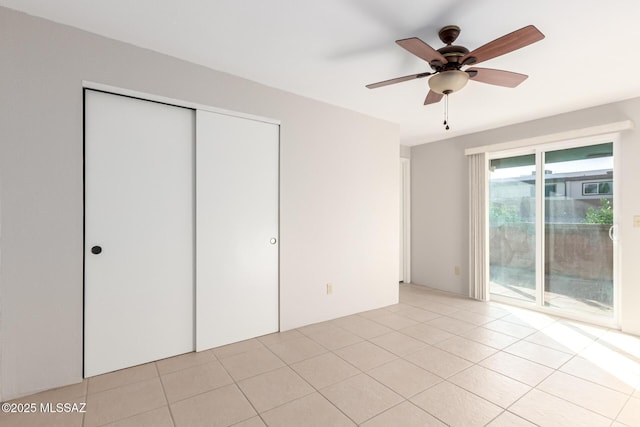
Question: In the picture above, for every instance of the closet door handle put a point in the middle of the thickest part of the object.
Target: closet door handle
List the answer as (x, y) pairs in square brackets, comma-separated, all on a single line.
[(273, 241), (96, 250)]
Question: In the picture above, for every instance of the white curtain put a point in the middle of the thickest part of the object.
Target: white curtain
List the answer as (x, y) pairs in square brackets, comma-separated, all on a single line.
[(478, 286)]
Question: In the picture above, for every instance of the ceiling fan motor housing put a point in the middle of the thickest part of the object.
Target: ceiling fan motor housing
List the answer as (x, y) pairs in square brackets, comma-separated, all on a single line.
[(453, 55)]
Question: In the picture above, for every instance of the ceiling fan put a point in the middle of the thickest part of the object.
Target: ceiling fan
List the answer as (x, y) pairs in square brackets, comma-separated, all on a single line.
[(448, 61)]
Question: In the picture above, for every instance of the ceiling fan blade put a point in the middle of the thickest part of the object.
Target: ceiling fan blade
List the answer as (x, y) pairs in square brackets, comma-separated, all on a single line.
[(421, 50), (433, 97), (397, 80), (496, 77), (505, 44)]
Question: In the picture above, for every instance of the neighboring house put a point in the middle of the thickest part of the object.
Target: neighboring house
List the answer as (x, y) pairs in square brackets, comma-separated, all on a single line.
[(568, 195)]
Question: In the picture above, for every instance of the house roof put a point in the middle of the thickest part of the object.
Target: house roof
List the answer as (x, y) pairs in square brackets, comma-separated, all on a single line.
[(329, 50)]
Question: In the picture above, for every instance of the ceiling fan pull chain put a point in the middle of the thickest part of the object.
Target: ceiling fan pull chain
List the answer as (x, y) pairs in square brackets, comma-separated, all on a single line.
[(446, 112)]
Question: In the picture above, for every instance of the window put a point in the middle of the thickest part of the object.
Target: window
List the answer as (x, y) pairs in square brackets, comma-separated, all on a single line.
[(597, 188)]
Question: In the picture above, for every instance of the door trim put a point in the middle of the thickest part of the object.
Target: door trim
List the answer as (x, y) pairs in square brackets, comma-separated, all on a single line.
[(172, 101), (405, 164)]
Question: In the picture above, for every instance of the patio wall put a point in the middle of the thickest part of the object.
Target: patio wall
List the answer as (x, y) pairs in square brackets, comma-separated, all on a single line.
[(577, 250)]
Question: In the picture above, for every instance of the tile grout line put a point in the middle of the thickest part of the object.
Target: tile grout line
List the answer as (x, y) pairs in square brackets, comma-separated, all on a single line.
[(121, 385), (235, 383), (622, 408), (554, 370), (404, 399), (397, 357), (535, 387), (164, 391), (215, 359), (578, 404), (565, 400), (316, 390), (478, 364), (361, 372), (86, 397)]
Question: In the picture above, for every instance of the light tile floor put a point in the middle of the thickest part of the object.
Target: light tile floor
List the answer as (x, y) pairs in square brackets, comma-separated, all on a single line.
[(434, 359)]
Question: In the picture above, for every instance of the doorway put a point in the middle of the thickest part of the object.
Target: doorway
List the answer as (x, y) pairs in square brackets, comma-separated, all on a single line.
[(551, 226)]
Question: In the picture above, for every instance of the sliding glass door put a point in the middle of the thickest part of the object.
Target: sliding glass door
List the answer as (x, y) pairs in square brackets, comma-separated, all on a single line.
[(512, 231), (551, 229), (578, 229)]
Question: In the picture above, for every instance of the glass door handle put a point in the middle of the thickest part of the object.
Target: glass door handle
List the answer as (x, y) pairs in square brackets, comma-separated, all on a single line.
[(612, 233)]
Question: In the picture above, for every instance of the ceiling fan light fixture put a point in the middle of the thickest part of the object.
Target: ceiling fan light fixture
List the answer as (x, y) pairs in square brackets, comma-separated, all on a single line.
[(448, 82)]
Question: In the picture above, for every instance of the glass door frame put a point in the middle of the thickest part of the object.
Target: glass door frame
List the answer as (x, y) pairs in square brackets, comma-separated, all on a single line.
[(539, 151)]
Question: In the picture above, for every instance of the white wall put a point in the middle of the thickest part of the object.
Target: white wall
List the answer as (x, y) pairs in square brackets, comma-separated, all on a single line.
[(339, 191), (440, 212), (405, 151), (438, 223)]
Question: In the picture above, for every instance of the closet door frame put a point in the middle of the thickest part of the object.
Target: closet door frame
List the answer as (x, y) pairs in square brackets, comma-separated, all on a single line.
[(86, 84), (195, 106)]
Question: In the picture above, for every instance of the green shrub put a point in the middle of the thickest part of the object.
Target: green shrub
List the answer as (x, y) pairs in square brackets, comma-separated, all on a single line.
[(601, 215), (502, 214)]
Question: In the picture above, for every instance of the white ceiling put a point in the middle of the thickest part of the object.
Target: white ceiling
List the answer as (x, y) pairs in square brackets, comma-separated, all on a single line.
[(329, 49)]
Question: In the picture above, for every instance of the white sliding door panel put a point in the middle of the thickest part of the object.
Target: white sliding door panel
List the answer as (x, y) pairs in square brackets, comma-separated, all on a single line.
[(139, 208), (237, 229)]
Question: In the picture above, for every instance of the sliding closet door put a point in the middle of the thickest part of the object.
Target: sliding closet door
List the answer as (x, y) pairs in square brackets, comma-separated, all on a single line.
[(237, 229), (139, 228)]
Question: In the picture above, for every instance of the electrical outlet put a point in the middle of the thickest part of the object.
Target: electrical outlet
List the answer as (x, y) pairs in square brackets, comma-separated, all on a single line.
[(329, 288), (456, 270)]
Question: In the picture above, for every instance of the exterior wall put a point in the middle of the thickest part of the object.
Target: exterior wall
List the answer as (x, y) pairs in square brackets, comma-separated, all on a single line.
[(583, 251)]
